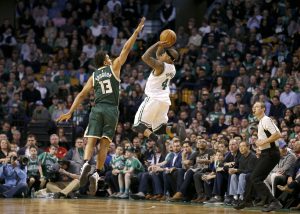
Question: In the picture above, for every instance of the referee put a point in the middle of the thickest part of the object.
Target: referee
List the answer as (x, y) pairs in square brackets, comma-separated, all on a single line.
[(268, 133)]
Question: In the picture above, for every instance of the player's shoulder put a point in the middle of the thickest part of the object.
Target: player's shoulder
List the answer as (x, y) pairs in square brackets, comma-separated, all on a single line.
[(169, 66), (169, 69)]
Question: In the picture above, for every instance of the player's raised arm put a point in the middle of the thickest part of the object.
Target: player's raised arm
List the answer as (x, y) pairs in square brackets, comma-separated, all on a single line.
[(79, 99), (119, 61), (160, 50), (149, 58)]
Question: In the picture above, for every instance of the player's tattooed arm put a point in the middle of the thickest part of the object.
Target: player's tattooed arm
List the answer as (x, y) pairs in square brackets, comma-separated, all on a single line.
[(160, 50), (149, 59)]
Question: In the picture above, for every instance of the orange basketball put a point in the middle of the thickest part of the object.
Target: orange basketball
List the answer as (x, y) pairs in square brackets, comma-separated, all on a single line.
[(168, 36)]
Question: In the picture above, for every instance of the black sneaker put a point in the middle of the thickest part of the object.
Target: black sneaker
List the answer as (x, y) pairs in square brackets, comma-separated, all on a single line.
[(72, 195), (242, 205), (275, 205), (138, 196), (234, 202), (228, 200), (58, 195)]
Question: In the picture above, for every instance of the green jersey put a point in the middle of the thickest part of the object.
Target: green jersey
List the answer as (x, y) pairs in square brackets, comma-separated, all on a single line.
[(47, 161), (106, 86), (118, 162), (135, 164), (33, 167)]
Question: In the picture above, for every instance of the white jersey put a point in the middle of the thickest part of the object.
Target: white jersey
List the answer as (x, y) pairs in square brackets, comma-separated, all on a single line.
[(157, 87)]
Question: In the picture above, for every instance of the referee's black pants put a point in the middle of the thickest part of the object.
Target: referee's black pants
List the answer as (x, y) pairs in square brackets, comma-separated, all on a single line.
[(266, 162)]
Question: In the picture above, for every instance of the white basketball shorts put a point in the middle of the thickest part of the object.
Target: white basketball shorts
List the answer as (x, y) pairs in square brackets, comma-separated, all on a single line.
[(152, 113)]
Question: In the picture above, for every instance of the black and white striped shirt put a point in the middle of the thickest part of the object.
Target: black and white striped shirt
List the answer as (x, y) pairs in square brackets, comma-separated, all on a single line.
[(266, 124)]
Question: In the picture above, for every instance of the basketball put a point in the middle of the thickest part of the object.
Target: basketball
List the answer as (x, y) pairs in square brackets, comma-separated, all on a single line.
[(168, 36)]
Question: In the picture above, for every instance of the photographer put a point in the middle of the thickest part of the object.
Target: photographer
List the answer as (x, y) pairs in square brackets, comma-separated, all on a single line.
[(14, 173), (67, 182)]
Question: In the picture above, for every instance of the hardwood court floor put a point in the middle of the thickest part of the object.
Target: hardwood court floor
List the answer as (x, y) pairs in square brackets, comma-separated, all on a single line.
[(102, 206)]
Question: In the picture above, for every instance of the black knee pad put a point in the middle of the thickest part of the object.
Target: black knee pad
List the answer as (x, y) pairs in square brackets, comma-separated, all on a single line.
[(161, 130), (140, 128)]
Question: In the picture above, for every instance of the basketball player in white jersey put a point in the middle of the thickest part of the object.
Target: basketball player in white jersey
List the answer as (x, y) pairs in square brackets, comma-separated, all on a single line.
[(151, 118)]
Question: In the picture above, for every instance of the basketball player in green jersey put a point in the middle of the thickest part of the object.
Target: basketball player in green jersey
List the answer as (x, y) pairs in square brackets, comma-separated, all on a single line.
[(105, 114)]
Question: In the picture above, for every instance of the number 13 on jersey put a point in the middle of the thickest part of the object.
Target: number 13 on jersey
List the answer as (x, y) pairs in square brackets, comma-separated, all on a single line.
[(106, 86)]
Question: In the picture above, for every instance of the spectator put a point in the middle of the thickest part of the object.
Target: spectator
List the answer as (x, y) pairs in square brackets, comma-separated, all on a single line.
[(4, 150), (132, 167), (187, 164), (17, 118), (75, 156), (90, 49), (289, 98), (244, 166), (116, 48), (49, 169), (203, 159), (145, 178), (209, 177), (6, 129), (17, 138), (292, 185), (31, 141), (14, 174), (168, 15), (66, 184), (61, 109), (117, 163), (278, 175), (277, 108), (40, 114), (34, 170), (230, 98), (219, 126), (62, 138), (195, 38), (31, 95), (111, 4), (61, 151)]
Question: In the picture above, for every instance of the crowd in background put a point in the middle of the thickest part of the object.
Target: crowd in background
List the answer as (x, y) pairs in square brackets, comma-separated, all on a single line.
[(242, 52)]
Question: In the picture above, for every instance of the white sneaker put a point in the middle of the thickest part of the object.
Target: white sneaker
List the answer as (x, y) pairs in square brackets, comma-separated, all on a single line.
[(93, 183), (118, 195), (124, 196), (86, 168)]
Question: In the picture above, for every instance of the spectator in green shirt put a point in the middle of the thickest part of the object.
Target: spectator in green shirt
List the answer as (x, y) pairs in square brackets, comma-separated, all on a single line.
[(132, 167), (117, 164), (34, 169), (48, 161)]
